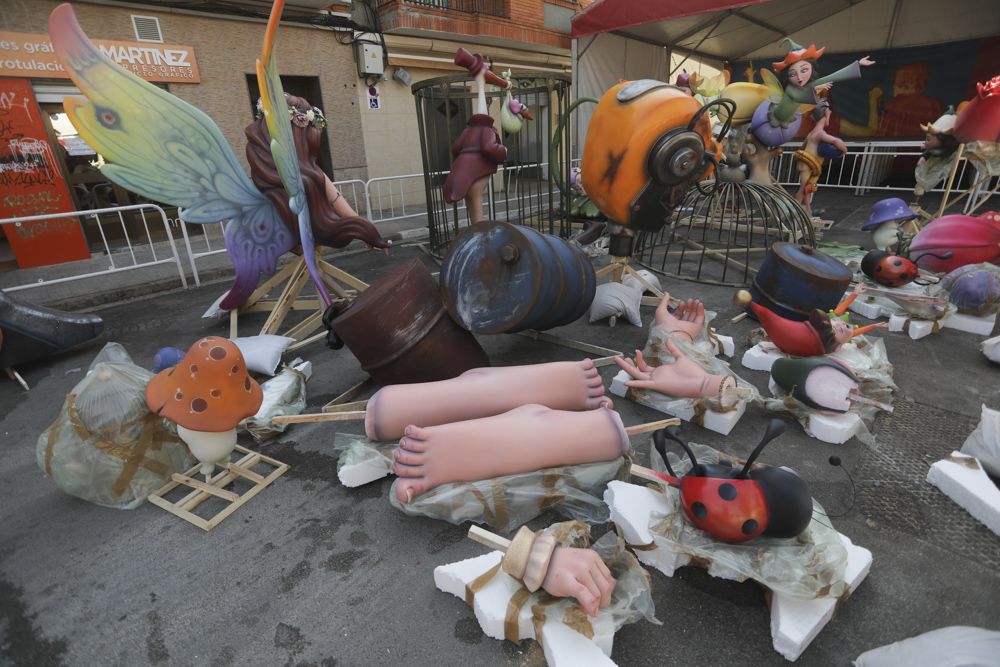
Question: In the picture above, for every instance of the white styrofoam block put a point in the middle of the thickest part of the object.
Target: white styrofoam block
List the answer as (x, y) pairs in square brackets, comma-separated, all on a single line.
[(962, 478), (490, 603), (562, 648), (618, 387), (915, 329), (453, 577), (871, 310), (365, 472), (981, 326), (761, 357), (720, 422), (795, 622), (833, 429), (727, 343), (631, 506), (215, 310), (565, 647)]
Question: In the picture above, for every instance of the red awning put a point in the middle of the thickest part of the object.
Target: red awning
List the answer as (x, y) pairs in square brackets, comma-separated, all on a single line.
[(608, 15)]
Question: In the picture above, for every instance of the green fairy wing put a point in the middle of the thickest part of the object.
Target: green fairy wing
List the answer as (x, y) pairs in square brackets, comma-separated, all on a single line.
[(167, 150), (776, 90), (286, 161)]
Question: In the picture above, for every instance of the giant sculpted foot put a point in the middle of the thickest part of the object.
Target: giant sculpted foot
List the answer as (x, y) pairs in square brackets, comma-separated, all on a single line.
[(484, 392), (530, 437)]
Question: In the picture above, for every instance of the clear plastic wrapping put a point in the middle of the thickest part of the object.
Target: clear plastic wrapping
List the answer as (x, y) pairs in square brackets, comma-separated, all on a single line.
[(868, 359), (505, 503), (808, 566), (631, 600), (284, 394), (702, 351), (105, 446)]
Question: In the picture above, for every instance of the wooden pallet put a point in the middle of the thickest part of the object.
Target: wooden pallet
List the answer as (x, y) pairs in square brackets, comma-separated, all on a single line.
[(216, 487)]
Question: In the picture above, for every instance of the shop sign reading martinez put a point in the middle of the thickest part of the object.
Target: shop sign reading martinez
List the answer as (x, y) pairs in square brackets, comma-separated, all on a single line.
[(31, 55)]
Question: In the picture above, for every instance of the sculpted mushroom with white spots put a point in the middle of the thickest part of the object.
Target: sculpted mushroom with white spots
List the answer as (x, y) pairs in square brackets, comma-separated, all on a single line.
[(207, 394)]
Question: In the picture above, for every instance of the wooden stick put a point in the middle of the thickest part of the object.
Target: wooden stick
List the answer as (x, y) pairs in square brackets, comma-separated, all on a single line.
[(739, 318), (354, 415), (491, 540), (14, 375), (645, 473), (864, 400), (345, 407), (651, 426), (207, 488), (349, 394)]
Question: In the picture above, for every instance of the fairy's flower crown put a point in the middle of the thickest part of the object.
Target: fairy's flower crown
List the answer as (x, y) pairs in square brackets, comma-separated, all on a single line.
[(299, 117)]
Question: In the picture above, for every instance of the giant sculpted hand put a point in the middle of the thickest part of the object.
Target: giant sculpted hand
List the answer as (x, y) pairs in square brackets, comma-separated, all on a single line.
[(681, 379), (689, 318), (580, 573)]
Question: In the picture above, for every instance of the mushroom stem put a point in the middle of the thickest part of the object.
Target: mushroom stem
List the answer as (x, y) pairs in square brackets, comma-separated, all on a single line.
[(208, 447)]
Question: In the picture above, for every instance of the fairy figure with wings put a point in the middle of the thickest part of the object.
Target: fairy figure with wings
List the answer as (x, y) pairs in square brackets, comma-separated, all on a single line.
[(775, 108), (162, 148)]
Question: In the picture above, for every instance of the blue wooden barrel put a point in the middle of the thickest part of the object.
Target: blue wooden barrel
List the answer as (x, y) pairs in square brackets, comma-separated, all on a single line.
[(504, 278), (793, 279)]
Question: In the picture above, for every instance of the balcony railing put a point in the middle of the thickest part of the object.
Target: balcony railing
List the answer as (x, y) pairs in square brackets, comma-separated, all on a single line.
[(499, 8)]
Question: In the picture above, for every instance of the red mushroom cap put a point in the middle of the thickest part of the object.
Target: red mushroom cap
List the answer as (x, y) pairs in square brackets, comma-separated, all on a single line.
[(209, 390)]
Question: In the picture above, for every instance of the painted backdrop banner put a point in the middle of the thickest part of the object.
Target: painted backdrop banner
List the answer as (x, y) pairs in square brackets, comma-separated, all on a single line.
[(31, 183), (904, 88)]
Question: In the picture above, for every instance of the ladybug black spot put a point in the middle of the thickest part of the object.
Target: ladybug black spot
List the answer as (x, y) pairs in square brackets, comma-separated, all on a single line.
[(727, 492), (897, 262), (749, 527), (878, 269), (699, 510)]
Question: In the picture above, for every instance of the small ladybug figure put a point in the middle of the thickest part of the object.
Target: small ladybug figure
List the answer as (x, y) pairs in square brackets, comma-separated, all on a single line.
[(738, 505), (893, 270)]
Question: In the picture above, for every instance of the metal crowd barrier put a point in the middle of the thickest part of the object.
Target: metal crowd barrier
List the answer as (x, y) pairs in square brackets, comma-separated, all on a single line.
[(130, 257)]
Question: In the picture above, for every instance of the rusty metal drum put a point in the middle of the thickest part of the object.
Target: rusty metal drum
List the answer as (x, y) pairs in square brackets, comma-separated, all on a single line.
[(504, 278), (401, 332), (793, 279)]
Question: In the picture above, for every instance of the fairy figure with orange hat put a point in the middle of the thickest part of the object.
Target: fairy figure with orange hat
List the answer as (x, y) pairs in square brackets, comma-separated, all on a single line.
[(777, 119)]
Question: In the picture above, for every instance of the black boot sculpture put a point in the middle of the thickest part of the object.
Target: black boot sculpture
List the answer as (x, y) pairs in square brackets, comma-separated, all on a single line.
[(29, 333)]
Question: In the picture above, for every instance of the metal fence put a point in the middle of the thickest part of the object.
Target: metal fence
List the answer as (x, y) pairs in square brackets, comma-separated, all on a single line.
[(872, 165), (867, 167), (127, 255)]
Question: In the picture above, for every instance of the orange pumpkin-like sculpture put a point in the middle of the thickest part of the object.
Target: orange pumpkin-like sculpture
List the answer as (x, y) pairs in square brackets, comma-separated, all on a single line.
[(207, 394), (646, 145)]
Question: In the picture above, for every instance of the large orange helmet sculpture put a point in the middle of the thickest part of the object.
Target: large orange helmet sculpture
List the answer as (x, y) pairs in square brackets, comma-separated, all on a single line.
[(648, 142)]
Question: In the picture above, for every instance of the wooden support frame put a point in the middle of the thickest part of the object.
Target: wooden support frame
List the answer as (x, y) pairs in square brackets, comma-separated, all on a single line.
[(294, 277), (215, 487)]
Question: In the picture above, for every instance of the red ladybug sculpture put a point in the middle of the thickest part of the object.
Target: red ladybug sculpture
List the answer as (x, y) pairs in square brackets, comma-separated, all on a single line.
[(738, 505), (893, 270)]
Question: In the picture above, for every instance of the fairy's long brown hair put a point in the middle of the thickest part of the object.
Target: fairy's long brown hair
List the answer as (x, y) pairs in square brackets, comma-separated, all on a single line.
[(328, 229)]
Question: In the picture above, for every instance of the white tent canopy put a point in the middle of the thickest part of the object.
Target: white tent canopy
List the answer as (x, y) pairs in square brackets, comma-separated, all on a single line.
[(632, 39)]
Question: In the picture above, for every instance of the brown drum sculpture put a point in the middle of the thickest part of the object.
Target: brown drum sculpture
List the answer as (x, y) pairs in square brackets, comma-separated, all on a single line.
[(400, 331)]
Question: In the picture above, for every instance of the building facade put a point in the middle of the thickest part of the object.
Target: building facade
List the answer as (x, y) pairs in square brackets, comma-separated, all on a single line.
[(372, 130)]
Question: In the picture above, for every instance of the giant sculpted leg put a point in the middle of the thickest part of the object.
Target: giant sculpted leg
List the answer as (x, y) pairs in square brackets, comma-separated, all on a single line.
[(531, 437), (484, 392)]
